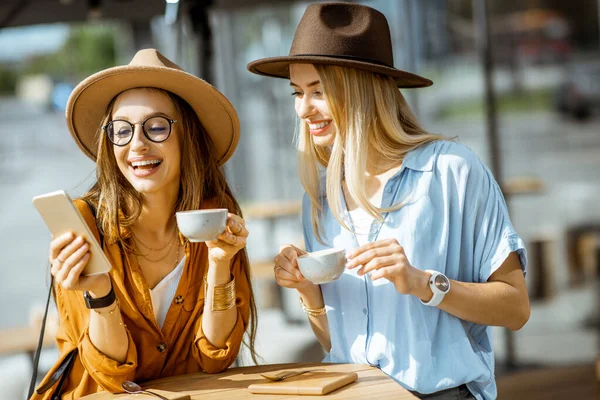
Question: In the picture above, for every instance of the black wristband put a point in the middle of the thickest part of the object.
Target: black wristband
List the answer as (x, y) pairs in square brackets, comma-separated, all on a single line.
[(101, 302)]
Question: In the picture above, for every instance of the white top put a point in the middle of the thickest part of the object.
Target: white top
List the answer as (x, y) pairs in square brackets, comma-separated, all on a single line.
[(362, 221), (163, 293)]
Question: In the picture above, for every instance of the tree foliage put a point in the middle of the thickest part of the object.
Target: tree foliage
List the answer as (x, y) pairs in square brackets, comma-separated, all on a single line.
[(87, 50)]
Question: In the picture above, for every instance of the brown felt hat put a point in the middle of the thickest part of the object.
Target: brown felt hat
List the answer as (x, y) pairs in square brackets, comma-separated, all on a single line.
[(89, 100), (344, 34)]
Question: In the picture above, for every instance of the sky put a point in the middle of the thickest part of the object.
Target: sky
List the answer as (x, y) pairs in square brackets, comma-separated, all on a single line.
[(21, 42)]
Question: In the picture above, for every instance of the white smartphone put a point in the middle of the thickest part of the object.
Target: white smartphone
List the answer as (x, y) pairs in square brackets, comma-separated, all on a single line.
[(61, 216)]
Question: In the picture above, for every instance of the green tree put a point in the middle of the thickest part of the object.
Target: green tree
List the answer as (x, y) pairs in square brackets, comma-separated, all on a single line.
[(8, 80), (88, 49)]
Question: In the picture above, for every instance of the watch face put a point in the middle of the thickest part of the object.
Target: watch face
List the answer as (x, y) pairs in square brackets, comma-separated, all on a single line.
[(442, 283)]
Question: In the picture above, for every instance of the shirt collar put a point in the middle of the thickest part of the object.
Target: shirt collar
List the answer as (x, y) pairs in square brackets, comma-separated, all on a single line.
[(420, 158)]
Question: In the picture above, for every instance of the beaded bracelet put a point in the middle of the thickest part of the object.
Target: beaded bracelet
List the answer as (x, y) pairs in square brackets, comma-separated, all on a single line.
[(313, 312), (223, 297)]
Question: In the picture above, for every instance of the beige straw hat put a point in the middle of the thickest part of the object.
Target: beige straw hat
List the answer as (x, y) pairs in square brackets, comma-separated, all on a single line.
[(148, 68)]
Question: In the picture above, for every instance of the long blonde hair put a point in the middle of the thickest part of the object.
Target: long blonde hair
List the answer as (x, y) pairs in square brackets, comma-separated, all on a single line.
[(369, 113), (118, 204)]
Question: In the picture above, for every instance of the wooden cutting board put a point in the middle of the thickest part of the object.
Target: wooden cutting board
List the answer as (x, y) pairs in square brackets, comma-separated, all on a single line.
[(310, 383)]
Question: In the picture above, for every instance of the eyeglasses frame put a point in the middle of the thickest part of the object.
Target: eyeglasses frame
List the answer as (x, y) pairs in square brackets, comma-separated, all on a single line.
[(171, 122)]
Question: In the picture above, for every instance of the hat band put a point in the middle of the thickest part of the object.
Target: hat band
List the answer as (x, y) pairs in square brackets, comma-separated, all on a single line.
[(367, 60)]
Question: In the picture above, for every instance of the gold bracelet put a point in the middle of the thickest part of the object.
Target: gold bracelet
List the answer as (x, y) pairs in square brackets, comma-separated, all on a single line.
[(111, 311), (313, 312), (223, 297)]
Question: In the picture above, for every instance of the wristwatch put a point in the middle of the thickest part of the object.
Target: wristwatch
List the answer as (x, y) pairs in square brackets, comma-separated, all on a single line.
[(439, 285), (100, 302)]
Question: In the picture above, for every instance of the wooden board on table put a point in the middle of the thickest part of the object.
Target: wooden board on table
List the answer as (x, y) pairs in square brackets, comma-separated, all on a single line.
[(310, 383)]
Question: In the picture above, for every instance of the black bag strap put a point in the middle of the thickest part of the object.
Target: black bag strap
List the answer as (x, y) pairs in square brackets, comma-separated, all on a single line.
[(68, 364), (36, 360), (65, 367), (61, 372)]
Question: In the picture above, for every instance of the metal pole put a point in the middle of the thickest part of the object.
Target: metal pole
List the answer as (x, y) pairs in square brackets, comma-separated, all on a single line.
[(484, 47), (409, 15), (598, 22)]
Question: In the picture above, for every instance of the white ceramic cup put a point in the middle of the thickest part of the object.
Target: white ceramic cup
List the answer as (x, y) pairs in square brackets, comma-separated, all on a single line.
[(323, 266), (202, 225)]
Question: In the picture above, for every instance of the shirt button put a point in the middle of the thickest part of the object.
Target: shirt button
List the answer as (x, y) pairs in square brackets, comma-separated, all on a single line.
[(364, 311), (178, 299), (161, 347), (388, 189)]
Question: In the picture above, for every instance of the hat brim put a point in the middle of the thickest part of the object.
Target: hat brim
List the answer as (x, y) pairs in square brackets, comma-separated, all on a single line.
[(89, 100), (278, 67)]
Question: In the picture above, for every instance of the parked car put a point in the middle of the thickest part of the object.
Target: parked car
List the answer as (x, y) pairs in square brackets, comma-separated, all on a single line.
[(579, 93)]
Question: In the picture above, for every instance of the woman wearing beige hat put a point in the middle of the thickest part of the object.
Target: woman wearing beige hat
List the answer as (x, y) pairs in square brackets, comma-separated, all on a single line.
[(433, 259), (159, 137)]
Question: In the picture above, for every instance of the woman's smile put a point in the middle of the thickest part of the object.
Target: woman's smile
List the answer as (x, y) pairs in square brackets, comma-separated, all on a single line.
[(319, 128), (144, 167)]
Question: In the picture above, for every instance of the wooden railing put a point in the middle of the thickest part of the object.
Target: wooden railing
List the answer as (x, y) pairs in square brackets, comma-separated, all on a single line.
[(23, 340), (269, 211)]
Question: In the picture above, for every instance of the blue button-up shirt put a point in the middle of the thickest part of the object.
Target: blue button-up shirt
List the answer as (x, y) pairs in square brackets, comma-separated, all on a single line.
[(455, 221)]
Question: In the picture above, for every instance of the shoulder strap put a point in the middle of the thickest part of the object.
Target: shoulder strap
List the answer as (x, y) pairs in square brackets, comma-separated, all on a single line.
[(61, 373), (36, 360)]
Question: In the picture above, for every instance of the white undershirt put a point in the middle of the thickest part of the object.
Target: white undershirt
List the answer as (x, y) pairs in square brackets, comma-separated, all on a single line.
[(361, 220), (163, 293)]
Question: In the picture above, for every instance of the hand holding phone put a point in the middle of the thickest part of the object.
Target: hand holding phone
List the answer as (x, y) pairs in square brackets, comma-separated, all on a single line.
[(74, 250)]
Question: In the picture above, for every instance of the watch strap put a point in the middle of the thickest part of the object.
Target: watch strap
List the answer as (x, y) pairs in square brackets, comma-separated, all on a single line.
[(100, 302), (438, 295)]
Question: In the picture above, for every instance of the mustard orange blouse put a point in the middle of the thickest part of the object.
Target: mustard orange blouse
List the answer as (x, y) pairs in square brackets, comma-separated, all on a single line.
[(179, 348)]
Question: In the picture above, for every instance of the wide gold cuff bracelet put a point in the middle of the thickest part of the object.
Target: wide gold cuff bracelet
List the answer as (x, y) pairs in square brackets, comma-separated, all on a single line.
[(223, 296)]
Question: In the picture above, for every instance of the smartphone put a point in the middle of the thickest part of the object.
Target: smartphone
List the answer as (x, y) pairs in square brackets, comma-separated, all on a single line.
[(61, 216)]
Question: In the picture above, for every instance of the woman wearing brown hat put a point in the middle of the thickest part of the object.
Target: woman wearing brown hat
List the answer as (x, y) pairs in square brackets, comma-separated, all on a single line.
[(158, 136), (433, 259)]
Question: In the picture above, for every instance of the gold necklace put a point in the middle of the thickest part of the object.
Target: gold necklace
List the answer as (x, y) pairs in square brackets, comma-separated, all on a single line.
[(177, 256), (145, 256), (137, 240), (174, 266)]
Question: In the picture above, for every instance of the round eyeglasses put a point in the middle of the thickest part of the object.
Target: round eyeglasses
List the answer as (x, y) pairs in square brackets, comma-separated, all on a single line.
[(156, 129)]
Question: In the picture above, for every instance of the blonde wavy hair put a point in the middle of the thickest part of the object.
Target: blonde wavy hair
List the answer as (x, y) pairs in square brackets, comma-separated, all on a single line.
[(370, 115), (118, 205)]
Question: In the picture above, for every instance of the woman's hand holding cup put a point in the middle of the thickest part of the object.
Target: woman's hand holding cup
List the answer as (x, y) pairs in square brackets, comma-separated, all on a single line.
[(223, 232), (287, 273), (230, 241)]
